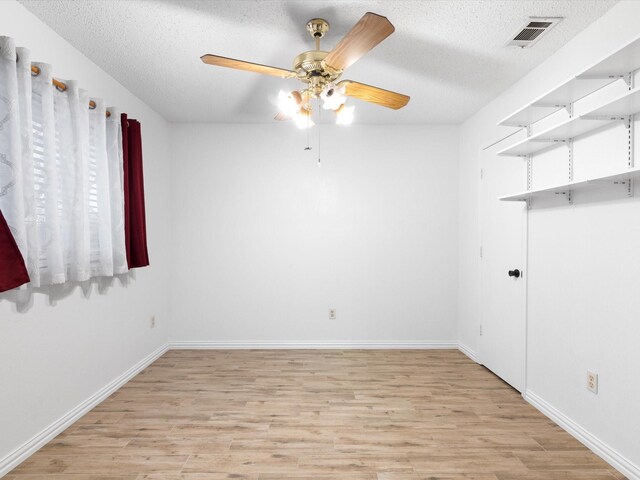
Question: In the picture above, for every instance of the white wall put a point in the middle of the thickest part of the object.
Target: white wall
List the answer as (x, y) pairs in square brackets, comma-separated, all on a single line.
[(584, 260), (54, 356), (266, 242)]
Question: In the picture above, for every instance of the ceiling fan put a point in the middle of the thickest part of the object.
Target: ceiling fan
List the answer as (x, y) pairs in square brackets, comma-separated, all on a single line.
[(319, 71)]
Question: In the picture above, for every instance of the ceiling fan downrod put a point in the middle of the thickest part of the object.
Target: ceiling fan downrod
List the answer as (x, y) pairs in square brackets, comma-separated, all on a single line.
[(317, 28), (310, 65)]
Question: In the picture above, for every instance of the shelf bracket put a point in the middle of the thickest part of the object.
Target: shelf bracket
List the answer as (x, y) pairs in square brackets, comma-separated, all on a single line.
[(626, 184), (569, 109), (555, 105), (605, 118), (549, 105), (568, 195), (628, 79), (598, 76), (550, 140)]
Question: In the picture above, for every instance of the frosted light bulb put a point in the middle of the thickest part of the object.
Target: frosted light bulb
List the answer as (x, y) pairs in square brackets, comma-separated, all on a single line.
[(344, 115), (289, 103), (302, 119), (332, 97)]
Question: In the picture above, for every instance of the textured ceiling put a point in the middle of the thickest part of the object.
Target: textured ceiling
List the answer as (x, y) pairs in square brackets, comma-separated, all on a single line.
[(449, 56)]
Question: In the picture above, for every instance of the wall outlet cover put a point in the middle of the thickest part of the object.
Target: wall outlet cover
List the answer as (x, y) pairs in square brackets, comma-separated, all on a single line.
[(592, 382)]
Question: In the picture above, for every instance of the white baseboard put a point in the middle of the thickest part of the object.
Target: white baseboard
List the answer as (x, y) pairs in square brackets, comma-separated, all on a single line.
[(467, 351), (28, 448), (260, 345), (592, 442)]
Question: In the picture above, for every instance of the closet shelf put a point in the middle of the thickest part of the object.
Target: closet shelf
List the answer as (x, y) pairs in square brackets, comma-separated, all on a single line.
[(617, 178), (617, 66), (622, 106), (555, 100)]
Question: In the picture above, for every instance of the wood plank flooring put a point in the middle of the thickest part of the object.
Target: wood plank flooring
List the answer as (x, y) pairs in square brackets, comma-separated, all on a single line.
[(314, 414)]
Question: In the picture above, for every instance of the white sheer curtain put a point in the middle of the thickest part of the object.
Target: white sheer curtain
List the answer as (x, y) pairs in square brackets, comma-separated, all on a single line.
[(61, 174), (116, 189)]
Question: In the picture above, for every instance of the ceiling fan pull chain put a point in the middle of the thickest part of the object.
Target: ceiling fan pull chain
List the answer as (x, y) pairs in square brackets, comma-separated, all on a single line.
[(319, 128), (308, 147)]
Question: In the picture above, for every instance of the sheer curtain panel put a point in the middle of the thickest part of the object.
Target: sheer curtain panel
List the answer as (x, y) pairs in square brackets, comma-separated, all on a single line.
[(115, 159), (61, 173)]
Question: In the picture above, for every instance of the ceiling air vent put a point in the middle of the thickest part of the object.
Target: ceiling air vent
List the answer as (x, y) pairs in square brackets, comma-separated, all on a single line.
[(532, 31)]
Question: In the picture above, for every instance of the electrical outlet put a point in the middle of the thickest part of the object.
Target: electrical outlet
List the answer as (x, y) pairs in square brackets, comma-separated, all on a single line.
[(152, 321), (592, 382), (332, 314)]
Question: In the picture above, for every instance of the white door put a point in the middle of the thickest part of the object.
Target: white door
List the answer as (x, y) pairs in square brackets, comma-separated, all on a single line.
[(503, 225)]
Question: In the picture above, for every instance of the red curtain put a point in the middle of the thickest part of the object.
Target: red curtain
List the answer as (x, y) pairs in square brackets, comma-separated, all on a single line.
[(13, 271), (135, 228)]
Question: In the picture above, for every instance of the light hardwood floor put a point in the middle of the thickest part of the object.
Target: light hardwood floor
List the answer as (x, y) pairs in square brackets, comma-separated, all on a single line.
[(314, 414)]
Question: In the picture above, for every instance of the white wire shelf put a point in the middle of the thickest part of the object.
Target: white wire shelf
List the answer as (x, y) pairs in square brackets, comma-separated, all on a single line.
[(616, 66), (620, 178), (622, 106)]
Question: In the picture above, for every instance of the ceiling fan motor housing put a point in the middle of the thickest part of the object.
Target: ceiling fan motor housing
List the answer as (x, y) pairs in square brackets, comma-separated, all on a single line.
[(311, 69), (308, 62)]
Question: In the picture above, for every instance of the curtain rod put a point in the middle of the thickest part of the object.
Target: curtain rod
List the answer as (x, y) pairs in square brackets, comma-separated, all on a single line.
[(35, 71)]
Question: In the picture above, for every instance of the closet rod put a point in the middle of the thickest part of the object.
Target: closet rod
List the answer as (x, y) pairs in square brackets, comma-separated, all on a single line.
[(63, 87)]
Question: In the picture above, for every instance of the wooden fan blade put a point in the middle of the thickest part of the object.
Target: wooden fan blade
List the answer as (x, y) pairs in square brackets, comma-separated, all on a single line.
[(370, 30), (375, 95), (219, 61)]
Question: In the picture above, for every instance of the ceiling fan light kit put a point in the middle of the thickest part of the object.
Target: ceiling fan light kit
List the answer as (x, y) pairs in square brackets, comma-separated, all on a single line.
[(319, 71)]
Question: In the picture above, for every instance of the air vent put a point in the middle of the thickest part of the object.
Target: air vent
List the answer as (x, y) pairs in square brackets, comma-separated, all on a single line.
[(532, 31)]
